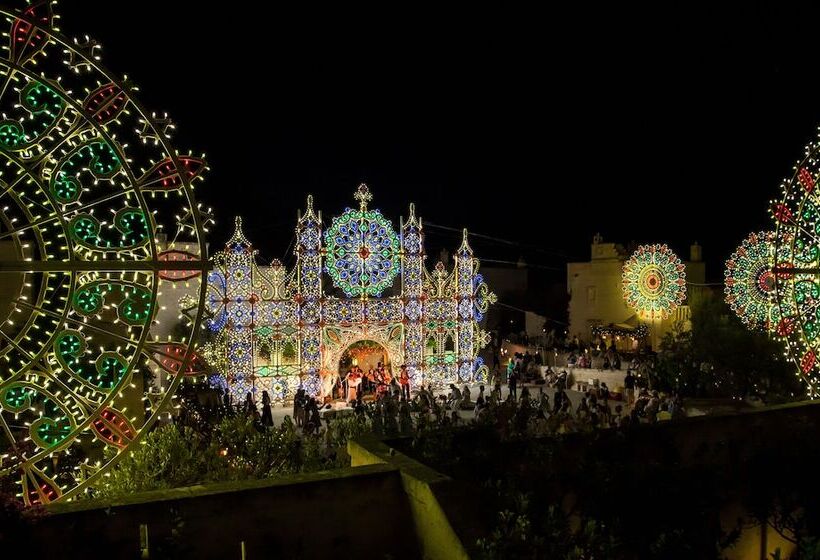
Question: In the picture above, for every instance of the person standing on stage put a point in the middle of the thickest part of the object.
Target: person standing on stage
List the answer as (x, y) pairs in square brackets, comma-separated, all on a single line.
[(404, 381)]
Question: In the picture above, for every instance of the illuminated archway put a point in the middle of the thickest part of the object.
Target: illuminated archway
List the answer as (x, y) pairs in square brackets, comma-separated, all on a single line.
[(339, 340), (358, 279), (366, 354)]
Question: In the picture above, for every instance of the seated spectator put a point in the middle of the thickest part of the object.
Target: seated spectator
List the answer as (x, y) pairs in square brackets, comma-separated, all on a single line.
[(453, 400), (466, 399)]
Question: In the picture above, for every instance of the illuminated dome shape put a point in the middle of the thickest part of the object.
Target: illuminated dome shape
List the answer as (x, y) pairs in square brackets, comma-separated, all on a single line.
[(797, 266), (89, 181), (654, 281), (363, 250), (750, 282)]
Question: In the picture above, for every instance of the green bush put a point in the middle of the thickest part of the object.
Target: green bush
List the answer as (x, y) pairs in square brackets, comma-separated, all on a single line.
[(235, 449), (168, 457)]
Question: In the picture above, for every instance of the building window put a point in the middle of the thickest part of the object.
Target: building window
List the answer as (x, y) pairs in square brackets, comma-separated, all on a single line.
[(591, 294)]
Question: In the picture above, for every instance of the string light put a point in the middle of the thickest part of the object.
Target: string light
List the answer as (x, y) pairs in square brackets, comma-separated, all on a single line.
[(750, 282), (654, 281), (797, 265), (85, 199)]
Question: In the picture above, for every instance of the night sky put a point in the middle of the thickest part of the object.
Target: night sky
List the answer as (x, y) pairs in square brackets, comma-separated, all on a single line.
[(535, 127)]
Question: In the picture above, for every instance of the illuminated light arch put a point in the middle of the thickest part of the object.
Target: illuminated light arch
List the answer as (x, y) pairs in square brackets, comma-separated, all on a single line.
[(251, 304), (654, 281), (797, 267), (90, 187)]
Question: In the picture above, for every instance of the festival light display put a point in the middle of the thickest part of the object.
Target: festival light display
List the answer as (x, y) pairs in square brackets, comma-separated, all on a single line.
[(797, 266), (281, 329), (91, 192), (750, 282), (654, 281)]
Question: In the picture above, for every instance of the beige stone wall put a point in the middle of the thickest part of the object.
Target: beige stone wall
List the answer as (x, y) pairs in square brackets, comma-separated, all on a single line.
[(596, 296)]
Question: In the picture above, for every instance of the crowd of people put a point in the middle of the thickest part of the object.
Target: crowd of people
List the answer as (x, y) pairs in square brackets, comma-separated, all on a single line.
[(525, 408), (375, 381), (394, 406)]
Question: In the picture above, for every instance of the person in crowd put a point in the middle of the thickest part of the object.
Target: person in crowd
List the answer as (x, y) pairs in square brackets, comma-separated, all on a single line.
[(250, 405), (404, 381), (267, 413), (479, 401), (561, 381), (615, 416), (603, 394), (558, 401), (454, 398), (298, 408), (354, 381), (583, 408), (495, 396), (405, 420), (629, 388), (395, 387), (466, 398), (512, 382), (483, 413), (543, 400), (652, 406), (313, 419)]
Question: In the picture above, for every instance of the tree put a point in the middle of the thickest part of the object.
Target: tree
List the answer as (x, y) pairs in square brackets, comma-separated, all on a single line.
[(720, 357)]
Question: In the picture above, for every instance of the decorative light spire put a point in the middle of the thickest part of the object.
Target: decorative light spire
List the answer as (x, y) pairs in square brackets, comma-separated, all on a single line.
[(412, 221), (363, 195), (465, 244), (238, 238), (309, 215)]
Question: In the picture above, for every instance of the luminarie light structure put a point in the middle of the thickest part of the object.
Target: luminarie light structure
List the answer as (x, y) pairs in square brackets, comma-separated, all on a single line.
[(797, 266), (750, 282), (303, 324), (91, 191), (654, 281)]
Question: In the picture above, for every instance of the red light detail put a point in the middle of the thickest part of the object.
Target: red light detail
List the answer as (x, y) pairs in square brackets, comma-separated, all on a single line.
[(785, 273), (172, 355), (782, 213), (174, 255), (807, 363), (106, 103), (25, 37), (166, 176), (805, 179), (114, 428), (785, 327), (37, 488)]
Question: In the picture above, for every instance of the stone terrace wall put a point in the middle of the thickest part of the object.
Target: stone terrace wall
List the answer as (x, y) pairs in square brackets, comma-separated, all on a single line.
[(349, 513)]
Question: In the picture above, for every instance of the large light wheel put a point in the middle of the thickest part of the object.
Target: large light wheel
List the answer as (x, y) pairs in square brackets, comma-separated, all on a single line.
[(97, 223)]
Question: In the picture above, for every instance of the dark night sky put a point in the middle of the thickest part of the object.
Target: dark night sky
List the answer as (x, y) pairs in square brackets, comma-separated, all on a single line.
[(661, 126)]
